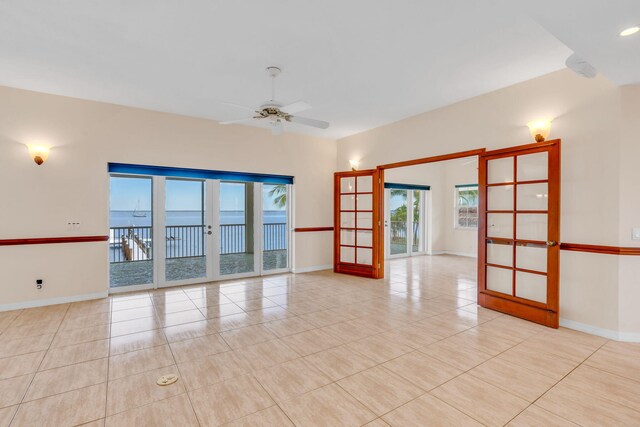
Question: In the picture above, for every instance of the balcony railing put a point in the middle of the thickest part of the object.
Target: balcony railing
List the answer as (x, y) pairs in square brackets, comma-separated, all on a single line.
[(398, 232), (185, 241)]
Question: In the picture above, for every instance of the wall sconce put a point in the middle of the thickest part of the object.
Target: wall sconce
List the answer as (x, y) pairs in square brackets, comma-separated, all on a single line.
[(354, 164), (540, 129), (39, 153)]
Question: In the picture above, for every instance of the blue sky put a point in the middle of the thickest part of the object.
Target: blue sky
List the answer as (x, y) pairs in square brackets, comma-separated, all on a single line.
[(126, 193)]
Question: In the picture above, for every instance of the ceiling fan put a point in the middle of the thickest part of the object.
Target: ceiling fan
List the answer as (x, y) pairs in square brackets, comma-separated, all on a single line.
[(276, 112)]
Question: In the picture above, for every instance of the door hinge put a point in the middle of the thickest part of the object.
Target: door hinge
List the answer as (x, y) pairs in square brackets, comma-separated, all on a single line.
[(378, 265)]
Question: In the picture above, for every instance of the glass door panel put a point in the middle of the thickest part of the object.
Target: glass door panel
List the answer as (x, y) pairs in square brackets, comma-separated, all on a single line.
[(130, 231), (185, 230), (398, 222), (531, 227), (532, 257), (275, 227), (500, 170), (500, 198), (533, 167), (499, 253), (533, 197), (236, 212), (500, 225), (531, 286), (500, 279)]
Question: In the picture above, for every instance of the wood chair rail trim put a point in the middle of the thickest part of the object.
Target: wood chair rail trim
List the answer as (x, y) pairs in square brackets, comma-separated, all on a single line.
[(599, 249), (50, 240)]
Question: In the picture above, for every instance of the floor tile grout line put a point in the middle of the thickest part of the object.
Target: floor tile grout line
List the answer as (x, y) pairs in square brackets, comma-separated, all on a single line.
[(273, 399), (181, 378), (39, 365), (587, 392), (468, 370), (608, 372), (106, 397), (555, 384)]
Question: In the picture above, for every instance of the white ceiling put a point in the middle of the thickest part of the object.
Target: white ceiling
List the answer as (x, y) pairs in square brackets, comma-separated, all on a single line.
[(360, 63), (591, 28)]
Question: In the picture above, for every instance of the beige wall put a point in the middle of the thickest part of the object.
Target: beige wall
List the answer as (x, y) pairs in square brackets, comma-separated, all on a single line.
[(73, 185), (588, 118), (459, 241), (629, 212)]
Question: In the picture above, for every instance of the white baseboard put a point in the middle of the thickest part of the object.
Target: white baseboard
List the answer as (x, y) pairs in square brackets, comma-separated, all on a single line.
[(465, 254), (131, 288), (601, 332), (53, 301), (436, 253), (311, 268)]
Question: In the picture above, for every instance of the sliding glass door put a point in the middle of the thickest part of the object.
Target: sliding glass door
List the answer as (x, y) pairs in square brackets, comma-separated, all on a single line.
[(237, 228), (185, 239), (131, 231), (200, 230), (275, 226), (405, 220)]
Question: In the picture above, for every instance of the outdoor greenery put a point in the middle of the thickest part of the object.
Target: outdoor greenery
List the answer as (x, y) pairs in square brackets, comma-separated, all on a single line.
[(400, 213), (279, 195)]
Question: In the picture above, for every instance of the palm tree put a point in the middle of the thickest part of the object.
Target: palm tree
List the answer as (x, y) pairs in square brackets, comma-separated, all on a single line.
[(279, 194)]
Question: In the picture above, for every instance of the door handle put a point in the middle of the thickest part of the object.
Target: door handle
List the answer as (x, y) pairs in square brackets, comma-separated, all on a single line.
[(551, 243)]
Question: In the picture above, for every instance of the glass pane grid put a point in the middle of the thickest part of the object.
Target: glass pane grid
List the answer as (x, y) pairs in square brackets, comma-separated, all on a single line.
[(356, 213), (529, 212)]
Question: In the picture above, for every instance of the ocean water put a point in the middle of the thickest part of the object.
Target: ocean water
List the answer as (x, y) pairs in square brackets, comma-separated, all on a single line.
[(182, 243)]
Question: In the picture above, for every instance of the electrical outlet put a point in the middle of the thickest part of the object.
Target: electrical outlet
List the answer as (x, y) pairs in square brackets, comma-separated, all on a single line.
[(39, 284), (635, 234)]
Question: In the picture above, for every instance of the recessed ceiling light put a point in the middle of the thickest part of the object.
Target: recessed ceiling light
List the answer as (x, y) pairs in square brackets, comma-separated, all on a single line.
[(629, 31)]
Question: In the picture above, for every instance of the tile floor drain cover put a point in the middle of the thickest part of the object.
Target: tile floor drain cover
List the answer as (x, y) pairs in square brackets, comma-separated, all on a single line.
[(167, 379)]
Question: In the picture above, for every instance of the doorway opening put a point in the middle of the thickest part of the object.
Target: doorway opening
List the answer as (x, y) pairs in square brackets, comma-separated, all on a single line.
[(431, 209), (405, 220)]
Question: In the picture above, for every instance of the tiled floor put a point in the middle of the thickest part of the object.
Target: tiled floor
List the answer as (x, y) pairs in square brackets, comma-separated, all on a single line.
[(315, 349)]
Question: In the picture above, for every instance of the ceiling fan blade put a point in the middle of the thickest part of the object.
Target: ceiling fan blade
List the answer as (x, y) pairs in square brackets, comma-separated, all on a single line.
[(295, 107), (230, 122), (244, 107), (277, 128), (309, 122)]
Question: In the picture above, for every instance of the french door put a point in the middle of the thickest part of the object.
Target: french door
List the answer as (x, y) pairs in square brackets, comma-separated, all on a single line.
[(519, 231), (357, 222), (405, 225), (169, 231)]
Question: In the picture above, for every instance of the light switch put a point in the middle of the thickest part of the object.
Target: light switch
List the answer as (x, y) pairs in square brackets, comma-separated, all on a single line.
[(635, 234)]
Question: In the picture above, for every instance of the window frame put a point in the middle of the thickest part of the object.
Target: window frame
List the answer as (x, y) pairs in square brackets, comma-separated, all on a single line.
[(457, 206)]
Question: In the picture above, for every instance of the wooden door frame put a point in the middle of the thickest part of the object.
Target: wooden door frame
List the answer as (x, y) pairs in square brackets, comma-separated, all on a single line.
[(414, 162)]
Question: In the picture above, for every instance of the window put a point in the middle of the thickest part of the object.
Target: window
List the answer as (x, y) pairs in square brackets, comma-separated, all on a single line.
[(466, 208)]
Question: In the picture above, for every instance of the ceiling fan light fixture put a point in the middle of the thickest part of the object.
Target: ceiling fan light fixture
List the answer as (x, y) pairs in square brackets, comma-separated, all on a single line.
[(276, 112)]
